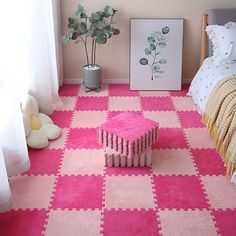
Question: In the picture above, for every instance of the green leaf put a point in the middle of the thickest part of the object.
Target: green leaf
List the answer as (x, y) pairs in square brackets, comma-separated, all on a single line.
[(90, 32), (101, 24), (162, 44), (101, 40), (156, 67), (109, 10), (162, 61), (108, 27), (115, 31), (70, 33), (153, 47), (108, 33), (151, 39), (80, 11), (165, 30), (82, 27), (92, 21), (75, 36), (106, 14), (95, 16), (148, 51), (72, 23), (143, 61), (65, 39)]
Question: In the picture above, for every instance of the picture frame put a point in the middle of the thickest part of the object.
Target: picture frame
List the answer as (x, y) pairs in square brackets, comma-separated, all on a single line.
[(156, 53)]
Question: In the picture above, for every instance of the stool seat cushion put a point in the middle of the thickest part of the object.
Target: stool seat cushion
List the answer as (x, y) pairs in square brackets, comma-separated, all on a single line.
[(128, 133)]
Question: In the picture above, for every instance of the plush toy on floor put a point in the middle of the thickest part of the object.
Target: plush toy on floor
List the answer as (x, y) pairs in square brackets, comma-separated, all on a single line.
[(39, 128)]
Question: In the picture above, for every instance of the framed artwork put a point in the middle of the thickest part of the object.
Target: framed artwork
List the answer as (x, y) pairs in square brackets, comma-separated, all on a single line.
[(156, 54)]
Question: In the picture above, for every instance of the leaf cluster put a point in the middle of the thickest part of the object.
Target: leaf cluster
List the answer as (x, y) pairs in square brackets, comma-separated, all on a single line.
[(98, 25)]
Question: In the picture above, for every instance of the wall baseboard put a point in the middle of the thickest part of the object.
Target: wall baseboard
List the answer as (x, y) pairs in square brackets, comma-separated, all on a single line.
[(104, 81), (113, 81)]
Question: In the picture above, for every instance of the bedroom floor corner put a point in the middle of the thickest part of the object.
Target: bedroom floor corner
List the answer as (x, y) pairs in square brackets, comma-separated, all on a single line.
[(68, 191)]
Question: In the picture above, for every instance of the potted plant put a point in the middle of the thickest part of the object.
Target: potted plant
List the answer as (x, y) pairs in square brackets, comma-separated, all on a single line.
[(96, 28)]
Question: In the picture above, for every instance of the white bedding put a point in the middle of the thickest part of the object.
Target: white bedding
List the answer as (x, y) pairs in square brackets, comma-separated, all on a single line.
[(205, 80)]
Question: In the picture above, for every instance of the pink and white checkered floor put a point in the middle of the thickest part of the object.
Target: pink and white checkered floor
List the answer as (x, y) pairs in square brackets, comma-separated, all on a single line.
[(68, 191)]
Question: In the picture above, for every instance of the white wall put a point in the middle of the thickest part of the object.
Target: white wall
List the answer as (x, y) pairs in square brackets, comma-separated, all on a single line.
[(114, 56)]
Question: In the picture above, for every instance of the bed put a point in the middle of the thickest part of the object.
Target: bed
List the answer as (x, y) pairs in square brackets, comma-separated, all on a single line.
[(213, 88)]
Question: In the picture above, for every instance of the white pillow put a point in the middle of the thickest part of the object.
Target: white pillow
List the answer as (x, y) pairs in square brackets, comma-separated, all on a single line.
[(223, 38)]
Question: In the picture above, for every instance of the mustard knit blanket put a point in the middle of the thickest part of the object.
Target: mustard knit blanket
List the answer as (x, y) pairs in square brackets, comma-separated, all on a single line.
[(220, 119)]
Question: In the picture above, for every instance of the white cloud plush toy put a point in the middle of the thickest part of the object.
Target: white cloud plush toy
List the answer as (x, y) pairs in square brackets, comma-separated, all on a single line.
[(39, 128)]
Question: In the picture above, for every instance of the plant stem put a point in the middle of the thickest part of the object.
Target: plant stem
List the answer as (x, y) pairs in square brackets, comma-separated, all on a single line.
[(154, 60), (85, 47), (94, 51), (85, 42)]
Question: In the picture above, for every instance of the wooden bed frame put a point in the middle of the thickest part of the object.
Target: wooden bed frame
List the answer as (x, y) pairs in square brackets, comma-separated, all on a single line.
[(204, 39)]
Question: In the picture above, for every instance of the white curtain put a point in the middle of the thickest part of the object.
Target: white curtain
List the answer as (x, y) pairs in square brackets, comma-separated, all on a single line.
[(13, 150), (56, 7), (30, 62), (44, 70)]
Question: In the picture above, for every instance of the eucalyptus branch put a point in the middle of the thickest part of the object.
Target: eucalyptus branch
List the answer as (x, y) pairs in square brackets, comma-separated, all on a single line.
[(92, 27), (154, 59)]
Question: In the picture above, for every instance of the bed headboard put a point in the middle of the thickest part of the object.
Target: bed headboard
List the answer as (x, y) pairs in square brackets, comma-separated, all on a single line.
[(214, 16)]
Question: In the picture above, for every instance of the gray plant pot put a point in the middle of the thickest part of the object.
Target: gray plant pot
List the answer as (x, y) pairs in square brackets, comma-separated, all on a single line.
[(91, 77)]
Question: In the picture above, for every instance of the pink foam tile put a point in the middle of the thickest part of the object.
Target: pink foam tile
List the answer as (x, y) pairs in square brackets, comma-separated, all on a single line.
[(68, 104), (184, 104), (92, 103), (82, 138), (83, 161), (62, 118), (157, 104), (172, 162), (31, 191), (113, 114), (130, 223), (208, 162), (225, 221), (220, 191), (154, 93), (179, 192), (166, 119), (183, 92), (59, 143), (185, 223), (69, 90), (64, 222), (190, 119), (78, 192), (170, 138), (88, 119), (44, 161), (129, 192), (121, 90), (102, 92), (199, 138), (124, 103), (21, 222), (128, 171)]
